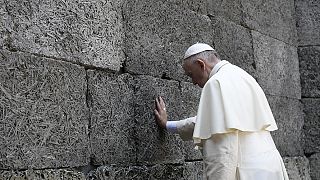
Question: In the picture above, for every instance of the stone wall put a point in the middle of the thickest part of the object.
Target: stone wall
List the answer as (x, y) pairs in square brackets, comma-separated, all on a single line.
[(78, 81), (308, 26)]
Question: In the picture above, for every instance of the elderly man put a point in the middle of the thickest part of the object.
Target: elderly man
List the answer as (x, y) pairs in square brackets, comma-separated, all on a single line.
[(233, 122)]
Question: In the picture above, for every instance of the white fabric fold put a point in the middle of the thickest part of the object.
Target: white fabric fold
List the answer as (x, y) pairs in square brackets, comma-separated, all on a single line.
[(231, 100)]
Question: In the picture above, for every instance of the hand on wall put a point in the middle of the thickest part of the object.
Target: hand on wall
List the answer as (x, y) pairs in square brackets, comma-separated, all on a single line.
[(161, 113)]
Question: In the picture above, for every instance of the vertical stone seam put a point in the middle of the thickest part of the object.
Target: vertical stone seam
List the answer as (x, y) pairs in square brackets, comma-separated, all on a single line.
[(89, 106)]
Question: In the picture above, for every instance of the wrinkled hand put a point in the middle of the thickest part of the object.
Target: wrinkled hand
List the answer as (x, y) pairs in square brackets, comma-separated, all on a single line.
[(161, 113)]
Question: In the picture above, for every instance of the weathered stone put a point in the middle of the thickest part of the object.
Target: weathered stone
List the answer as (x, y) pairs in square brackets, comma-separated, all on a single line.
[(277, 66), (274, 18), (186, 171), (189, 106), (86, 32), (309, 58), (155, 145), (112, 123), (311, 125), (234, 43), (193, 170), (315, 166), (50, 174), (297, 168), (44, 118), (289, 117), (199, 6), (308, 22), (228, 9), (158, 34)]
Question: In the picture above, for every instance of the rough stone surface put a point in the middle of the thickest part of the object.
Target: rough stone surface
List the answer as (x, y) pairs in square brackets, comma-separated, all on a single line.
[(43, 114), (86, 32), (289, 117), (158, 34), (186, 171), (154, 144), (311, 125), (234, 43), (112, 122), (49, 174), (315, 166), (189, 106), (308, 22), (297, 168), (309, 58), (274, 18), (277, 66), (228, 9)]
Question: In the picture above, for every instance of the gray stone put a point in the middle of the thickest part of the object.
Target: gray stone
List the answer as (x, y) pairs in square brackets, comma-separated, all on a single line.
[(199, 6), (228, 9), (308, 22), (189, 106), (234, 43), (274, 18), (44, 118), (112, 123), (309, 58), (297, 168), (277, 66), (50, 174), (186, 171), (158, 34), (193, 170), (311, 125), (86, 32), (155, 145), (289, 117), (315, 166)]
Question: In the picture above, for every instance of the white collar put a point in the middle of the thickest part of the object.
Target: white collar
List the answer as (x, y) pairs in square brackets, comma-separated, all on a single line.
[(217, 67)]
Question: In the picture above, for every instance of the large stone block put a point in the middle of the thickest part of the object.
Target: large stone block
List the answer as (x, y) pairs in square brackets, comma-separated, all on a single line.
[(297, 168), (277, 66), (158, 34), (156, 145), (86, 32), (315, 166), (228, 9), (275, 18), (52, 174), (234, 43), (189, 106), (199, 6), (309, 58), (289, 117), (308, 22), (311, 125), (44, 117), (112, 123), (186, 171)]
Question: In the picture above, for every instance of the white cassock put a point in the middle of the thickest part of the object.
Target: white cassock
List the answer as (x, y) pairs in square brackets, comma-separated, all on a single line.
[(232, 128)]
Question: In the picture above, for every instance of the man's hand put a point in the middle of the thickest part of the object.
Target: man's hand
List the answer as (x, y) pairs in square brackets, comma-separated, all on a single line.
[(161, 113)]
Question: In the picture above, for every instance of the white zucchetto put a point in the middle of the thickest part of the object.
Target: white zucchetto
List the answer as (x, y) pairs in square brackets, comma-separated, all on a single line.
[(197, 48)]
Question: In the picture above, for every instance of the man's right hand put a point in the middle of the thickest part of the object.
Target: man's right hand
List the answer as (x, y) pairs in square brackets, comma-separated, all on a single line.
[(161, 113)]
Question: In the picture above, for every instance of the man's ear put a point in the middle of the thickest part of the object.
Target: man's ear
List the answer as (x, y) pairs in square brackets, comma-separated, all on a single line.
[(201, 63)]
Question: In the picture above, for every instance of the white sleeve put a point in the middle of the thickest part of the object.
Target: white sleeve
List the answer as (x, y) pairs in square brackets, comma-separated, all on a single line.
[(171, 126), (185, 128)]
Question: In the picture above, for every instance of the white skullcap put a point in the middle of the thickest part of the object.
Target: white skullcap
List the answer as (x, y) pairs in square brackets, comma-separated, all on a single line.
[(197, 48)]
